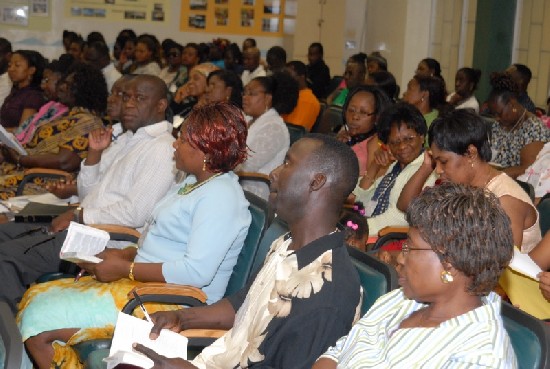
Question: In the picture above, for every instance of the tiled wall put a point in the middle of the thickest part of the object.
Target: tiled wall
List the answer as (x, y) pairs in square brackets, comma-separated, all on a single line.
[(533, 47)]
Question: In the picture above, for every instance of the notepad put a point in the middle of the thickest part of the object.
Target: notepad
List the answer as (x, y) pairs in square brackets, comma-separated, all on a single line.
[(83, 243), (129, 330)]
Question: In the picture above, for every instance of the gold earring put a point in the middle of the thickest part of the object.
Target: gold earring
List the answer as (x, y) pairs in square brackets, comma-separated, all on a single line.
[(446, 277), (204, 165), (422, 99)]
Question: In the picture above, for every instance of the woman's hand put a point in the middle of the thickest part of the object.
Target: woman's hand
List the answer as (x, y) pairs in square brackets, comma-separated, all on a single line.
[(544, 284), (428, 161), (109, 270), (100, 139), (383, 157), (162, 362), (63, 189), (181, 93), (343, 136)]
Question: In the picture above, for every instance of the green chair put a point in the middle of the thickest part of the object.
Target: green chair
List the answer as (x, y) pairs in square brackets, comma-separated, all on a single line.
[(11, 338), (544, 215), (295, 132), (530, 337)]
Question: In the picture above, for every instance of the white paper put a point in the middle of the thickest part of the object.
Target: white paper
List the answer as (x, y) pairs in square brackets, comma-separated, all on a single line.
[(129, 330), (9, 140), (83, 243), (522, 263)]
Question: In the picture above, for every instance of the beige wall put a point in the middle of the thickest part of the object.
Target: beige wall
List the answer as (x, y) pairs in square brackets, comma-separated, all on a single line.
[(533, 46)]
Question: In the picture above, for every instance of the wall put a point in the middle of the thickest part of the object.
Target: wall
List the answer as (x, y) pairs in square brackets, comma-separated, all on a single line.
[(533, 46)]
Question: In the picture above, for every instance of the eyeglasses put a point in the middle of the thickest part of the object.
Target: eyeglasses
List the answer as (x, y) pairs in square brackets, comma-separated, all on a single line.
[(408, 141), (405, 249), (252, 93), (361, 113), (137, 98)]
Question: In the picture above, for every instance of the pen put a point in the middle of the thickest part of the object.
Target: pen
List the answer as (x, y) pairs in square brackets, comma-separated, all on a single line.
[(80, 274), (142, 307)]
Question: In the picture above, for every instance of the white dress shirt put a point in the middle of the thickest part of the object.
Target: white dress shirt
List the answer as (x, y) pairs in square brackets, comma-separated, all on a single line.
[(248, 76), (111, 75)]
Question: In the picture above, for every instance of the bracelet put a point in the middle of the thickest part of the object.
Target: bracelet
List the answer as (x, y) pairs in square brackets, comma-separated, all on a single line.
[(76, 214), (131, 272)]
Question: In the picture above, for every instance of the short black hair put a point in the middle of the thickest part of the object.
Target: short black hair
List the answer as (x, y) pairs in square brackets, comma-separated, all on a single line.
[(381, 100), (276, 54), (101, 48), (5, 46), (231, 79), (298, 66), (236, 51), (319, 46), (338, 162), (95, 36), (466, 227), (525, 72), (386, 82), (400, 114), (284, 91), (458, 129), (89, 88), (436, 88), (61, 65), (472, 74)]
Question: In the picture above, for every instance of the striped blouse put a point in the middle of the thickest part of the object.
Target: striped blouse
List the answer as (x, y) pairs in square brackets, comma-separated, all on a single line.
[(476, 339)]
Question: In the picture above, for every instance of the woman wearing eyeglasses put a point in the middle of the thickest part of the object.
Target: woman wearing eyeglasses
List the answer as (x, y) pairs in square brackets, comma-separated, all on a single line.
[(360, 112), (445, 315), (401, 128)]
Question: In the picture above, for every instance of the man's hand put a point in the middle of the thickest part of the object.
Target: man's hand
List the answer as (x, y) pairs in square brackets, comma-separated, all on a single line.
[(166, 320), (61, 222), (162, 362), (544, 284), (100, 139), (62, 189)]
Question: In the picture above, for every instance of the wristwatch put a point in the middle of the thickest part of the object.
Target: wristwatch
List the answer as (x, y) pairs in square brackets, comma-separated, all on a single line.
[(76, 214)]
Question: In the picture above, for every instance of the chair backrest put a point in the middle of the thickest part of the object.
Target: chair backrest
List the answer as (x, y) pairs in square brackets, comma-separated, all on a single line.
[(277, 228), (11, 338), (259, 210), (528, 188), (332, 117), (322, 109), (377, 277), (530, 337), (544, 215), (295, 132)]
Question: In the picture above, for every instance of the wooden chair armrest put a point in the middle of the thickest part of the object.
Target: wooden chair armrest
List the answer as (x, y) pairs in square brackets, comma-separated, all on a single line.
[(113, 228), (391, 229), (254, 176), (48, 171), (156, 288), (201, 333)]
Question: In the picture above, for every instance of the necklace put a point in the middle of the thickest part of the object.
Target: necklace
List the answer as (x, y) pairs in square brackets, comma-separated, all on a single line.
[(520, 119), (190, 187)]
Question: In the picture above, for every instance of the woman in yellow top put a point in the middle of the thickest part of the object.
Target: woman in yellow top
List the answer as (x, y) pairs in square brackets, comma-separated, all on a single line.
[(63, 142)]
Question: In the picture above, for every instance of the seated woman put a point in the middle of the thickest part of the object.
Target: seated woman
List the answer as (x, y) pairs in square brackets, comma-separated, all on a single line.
[(264, 99), (445, 314), (146, 56), (194, 237), (63, 142), (360, 113), (224, 85), (25, 71), (354, 75), (463, 97), (428, 95), (402, 128), (517, 135), (428, 67)]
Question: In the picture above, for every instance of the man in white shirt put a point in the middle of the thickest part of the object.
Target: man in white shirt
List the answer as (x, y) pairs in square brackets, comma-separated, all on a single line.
[(97, 55), (5, 81), (120, 182), (252, 66)]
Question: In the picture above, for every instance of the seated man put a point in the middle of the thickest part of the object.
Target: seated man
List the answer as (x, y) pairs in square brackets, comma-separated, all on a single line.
[(307, 108), (119, 183), (307, 292)]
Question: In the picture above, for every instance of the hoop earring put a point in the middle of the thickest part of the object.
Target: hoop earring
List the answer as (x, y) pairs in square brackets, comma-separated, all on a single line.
[(446, 277)]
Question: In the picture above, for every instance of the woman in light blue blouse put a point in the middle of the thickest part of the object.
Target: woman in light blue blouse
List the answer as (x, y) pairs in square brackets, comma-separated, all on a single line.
[(193, 237)]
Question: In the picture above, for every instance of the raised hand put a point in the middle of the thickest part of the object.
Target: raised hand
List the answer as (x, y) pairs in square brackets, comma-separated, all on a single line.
[(383, 157), (100, 139)]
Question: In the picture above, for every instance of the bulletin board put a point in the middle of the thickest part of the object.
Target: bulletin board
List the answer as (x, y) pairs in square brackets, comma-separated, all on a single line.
[(119, 10), (32, 15), (244, 17)]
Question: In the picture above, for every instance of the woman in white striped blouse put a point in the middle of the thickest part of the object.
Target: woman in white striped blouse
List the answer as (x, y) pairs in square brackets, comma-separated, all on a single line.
[(445, 315)]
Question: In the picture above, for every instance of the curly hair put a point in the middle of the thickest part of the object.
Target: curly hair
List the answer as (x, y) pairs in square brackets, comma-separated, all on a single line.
[(36, 60), (504, 87), (467, 228), (397, 115), (459, 129), (283, 90), (219, 130), (359, 227), (89, 87), (231, 79)]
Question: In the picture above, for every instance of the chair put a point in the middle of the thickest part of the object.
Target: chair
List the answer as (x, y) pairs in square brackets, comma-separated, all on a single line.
[(530, 337), (377, 278), (295, 132), (276, 229), (323, 107), (544, 215), (388, 234), (332, 118), (527, 187), (34, 173), (11, 338)]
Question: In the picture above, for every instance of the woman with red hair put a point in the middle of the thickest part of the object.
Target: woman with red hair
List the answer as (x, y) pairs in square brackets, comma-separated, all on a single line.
[(193, 237)]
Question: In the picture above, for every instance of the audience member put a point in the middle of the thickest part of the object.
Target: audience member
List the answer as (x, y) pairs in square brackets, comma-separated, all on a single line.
[(376, 63), (307, 108), (517, 134), (264, 100), (276, 59), (183, 236), (445, 315), (360, 113), (127, 56), (5, 81), (68, 38), (97, 55), (25, 71), (307, 293), (76, 47), (95, 36), (354, 76), (233, 59), (428, 67), (107, 197), (224, 85), (521, 75), (191, 92), (466, 81), (355, 226), (248, 43), (252, 67), (386, 82), (147, 56), (174, 65), (317, 71), (402, 128), (427, 94)]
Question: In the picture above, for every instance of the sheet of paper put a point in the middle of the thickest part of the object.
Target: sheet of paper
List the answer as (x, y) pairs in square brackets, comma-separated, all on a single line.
[(83, 243), (129, 330), (523, 264), (9, 140)]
